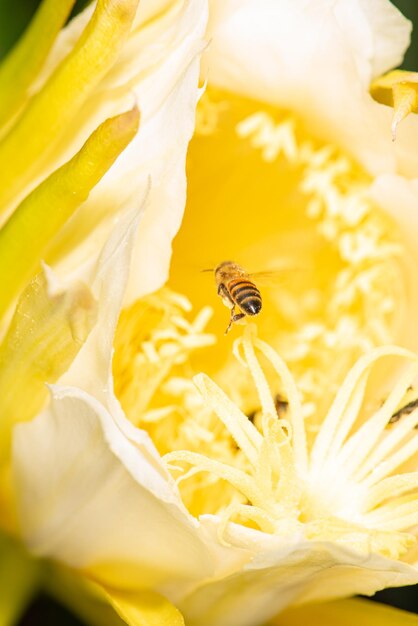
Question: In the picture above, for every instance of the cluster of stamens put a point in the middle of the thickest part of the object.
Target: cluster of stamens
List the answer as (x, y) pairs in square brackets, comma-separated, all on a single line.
[(327, 469), (344, 487)]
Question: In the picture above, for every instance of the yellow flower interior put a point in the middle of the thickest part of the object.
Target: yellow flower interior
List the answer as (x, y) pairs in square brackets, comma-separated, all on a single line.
[(264, 193)]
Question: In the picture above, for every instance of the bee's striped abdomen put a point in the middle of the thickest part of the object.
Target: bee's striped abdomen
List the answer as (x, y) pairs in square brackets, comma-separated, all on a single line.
[(246, 295)]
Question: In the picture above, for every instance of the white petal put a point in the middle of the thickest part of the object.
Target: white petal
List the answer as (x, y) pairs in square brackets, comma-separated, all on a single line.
[(91, 488), (390, 31), (316, 58), (107, 277), (158, 68), (287, 571), (93, 499), (91, 370)]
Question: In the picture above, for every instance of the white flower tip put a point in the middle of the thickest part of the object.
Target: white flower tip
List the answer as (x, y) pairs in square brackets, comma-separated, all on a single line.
[(393, 128), (54, 285), (200, 381)]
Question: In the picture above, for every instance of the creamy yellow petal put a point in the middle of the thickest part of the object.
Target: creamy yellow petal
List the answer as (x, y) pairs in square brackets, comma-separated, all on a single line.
[(145, 608), (286, 569), (24, 61), (390, 34), (24, 238), (92, 498), (345, 613), (107, 277)]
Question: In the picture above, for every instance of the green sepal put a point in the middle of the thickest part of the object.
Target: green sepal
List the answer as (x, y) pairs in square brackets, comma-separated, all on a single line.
[(50, 325), (23, 63)]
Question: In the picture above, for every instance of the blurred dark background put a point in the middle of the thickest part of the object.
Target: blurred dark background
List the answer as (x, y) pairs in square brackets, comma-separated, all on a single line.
[(410, 9), (14, 15)]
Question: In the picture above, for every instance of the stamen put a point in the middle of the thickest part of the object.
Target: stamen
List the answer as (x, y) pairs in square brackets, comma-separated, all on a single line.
[(350, 415), (263, 389), (276, 457), (295, 407), (389, 443), (391, 488), (339, 413), (201, 320), (399, 508), (357, 453), (273, 138), (250, 512), (156, 415), (398, 458), (242, 430), (400, 523), (152, 338), (238, 479)]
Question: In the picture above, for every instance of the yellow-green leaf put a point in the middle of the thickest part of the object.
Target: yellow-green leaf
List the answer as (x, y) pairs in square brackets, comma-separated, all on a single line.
[(23, 239), (398, 89), (49, 327), (20, 577), (82, 597), (22, 64), (54, 106), (345, 613), (145, 608)]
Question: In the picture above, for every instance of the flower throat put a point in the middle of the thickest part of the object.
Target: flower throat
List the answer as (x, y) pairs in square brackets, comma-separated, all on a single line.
[(265, 193)]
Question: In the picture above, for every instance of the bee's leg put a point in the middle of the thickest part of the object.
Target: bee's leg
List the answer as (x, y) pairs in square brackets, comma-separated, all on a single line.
[(238, 317), (235, 317), (226, 298), (231, 320)]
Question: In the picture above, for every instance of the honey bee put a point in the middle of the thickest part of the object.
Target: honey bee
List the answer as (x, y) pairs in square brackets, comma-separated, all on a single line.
[(404, 410), (236, 289), (280, 403)]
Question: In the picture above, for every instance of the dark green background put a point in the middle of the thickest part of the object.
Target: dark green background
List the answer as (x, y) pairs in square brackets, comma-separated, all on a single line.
[(410, 9), (14, 15)]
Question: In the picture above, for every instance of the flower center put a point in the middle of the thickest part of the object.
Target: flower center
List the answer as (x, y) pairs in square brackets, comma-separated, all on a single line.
[(344, 487), (264, 193)]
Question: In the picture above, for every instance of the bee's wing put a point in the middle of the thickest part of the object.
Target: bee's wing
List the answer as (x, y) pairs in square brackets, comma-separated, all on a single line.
[(277, 276), (268, 278)]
